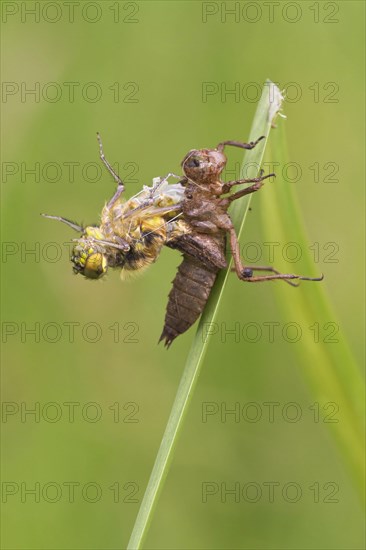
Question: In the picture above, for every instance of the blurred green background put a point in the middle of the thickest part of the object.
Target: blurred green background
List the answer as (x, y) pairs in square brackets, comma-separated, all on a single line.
[(148, 63)]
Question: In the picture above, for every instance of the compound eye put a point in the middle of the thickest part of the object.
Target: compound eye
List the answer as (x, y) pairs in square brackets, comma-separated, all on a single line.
[(95, 266), (193, 162)]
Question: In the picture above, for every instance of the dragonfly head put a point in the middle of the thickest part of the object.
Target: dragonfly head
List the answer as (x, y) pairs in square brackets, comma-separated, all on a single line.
[(88, 256), (93, 252)]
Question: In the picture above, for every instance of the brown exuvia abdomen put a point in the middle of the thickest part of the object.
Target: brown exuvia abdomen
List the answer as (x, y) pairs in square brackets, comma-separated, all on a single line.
[(191, 288)]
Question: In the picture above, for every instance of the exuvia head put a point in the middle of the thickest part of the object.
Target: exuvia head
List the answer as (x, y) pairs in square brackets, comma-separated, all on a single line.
[(204, 165)]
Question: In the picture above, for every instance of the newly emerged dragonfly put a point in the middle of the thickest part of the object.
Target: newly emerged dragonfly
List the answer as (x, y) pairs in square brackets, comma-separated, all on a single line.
[(190, 216), (131, 233)]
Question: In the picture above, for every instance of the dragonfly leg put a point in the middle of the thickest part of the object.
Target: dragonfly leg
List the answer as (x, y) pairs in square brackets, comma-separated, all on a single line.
[(245, 273), (117, 179), (71, 224), (258, 183), (240, 144)]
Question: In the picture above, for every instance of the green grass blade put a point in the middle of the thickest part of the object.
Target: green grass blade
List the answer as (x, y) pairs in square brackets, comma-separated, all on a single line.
[(330, 368), (266, 110)]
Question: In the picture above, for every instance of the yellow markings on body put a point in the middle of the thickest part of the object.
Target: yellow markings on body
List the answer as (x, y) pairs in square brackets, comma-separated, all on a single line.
[(95, 259), (165, 201), (95, 266), (94, 232), (150, 224)]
